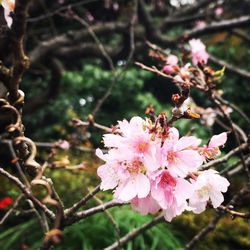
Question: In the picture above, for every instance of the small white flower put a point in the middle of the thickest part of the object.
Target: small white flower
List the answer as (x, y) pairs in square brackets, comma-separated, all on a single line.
[(209, 185), (8, 6)]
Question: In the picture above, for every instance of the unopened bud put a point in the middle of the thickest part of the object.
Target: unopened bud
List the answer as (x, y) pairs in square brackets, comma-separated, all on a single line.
[(190, 115)]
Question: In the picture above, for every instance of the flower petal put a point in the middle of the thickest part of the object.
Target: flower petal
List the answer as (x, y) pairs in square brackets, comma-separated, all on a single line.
[(218, 140), (142, 185)]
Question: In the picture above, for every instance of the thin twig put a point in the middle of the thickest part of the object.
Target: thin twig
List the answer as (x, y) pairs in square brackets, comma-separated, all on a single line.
[(27, 193), (91, 211), (134, 233), (82, 202), (225, 157), (200, 235), (11, 210)]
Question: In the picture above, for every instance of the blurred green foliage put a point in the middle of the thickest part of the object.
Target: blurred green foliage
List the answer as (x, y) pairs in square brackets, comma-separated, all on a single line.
[(79, 94), (96, 232)]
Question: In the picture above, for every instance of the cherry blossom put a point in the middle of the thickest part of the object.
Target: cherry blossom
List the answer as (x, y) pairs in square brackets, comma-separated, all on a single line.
[(8, 6), (179, 156), (209, 185), (155, 169), (212, 150), (198, 51), (171, 64)]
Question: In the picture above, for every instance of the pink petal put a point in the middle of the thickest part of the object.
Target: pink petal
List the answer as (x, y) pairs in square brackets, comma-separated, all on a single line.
[(142, 185), (128, 191), (183, 190), (198, 207), (216, 198), (100, 154), (174, 134), (108, 176), (145, 205), (187, 161), (172, 60), (168, 69), (187, 141), (150, 162), (124, 127), (111, 140), (218, 140)]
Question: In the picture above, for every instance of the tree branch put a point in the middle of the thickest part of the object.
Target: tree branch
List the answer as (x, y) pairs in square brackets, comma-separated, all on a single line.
[(27, 193), (218, 27), (134, 233)]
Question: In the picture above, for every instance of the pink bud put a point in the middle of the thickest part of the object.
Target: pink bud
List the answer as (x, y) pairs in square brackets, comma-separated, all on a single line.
[(168, 69)]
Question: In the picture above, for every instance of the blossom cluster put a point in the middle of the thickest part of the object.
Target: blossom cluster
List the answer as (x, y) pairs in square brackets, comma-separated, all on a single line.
[(198, 54), (153, 168)]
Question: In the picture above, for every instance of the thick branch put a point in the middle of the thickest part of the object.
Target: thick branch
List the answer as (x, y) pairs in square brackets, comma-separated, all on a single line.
[(219, 26), (229, 67), (21, 61), (51, 46), (225, 157)]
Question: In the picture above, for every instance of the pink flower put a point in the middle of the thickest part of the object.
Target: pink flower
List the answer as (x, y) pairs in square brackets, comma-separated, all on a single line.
[(127, 176), (171, 193), (172, 60), (180, 155), (200, 24), (183, 73), (134, 141), (136, 185), (212, 150), (109, 172), (163, 189), (218, 11), (8, 6), (171, 64), (208, 185), (198, 51)]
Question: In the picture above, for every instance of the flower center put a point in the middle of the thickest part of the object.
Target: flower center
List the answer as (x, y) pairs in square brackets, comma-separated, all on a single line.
[(204, 191), (142, 147), (210, 153), (135, 167), (168, 179), (171, 156)]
